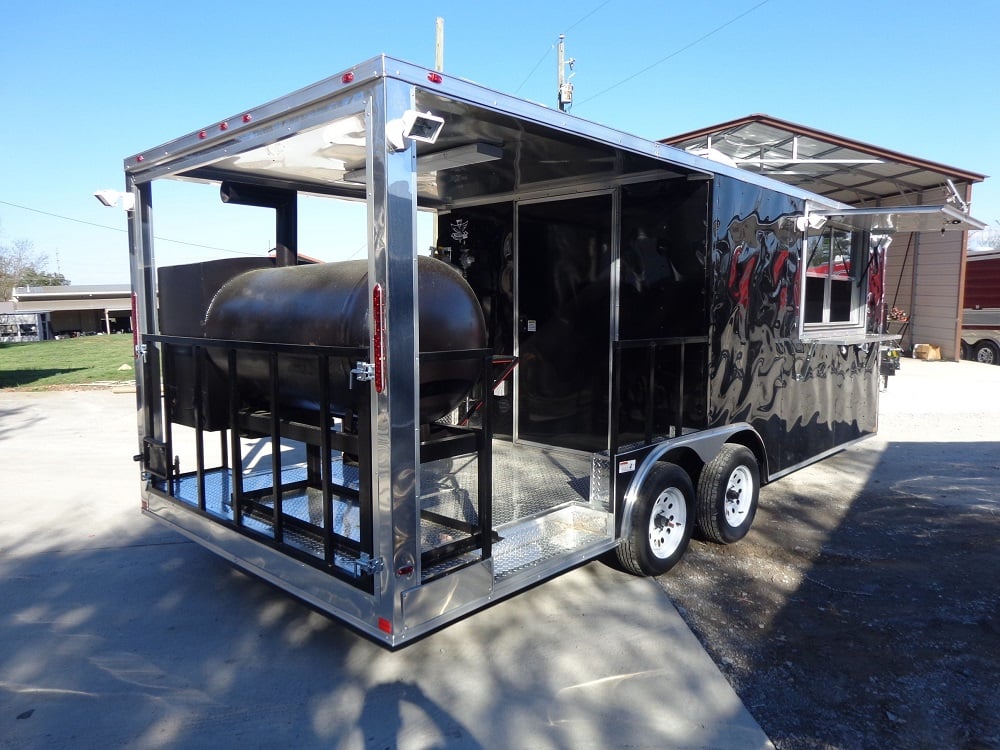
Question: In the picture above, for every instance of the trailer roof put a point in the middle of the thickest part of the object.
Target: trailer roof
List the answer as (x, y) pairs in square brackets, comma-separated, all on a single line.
[(314, 139)]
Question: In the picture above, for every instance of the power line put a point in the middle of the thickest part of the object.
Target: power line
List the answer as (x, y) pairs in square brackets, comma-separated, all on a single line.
[(552, 46), (540, 61), (686, 47), (574, 25), (119, 229)]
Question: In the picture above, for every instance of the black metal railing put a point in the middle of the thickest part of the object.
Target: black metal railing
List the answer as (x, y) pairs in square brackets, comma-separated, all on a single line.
[(656, 388)]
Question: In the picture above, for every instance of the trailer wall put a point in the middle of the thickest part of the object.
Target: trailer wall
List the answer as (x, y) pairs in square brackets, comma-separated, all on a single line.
[(804, 398)]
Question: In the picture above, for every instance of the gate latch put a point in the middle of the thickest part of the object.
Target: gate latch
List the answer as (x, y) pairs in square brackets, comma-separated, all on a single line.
[(368, 565), (363, 372)]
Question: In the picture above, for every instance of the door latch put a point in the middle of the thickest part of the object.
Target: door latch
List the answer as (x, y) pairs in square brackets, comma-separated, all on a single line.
[(363, 372)]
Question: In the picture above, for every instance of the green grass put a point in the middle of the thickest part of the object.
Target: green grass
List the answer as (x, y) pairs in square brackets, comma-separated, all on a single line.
[(51, 364)]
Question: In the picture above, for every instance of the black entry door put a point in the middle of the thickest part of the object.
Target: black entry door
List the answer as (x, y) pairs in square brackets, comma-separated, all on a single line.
[(564, 319)]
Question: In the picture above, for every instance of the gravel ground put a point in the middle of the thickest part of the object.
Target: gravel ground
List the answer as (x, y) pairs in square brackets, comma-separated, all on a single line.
[(863, 609)]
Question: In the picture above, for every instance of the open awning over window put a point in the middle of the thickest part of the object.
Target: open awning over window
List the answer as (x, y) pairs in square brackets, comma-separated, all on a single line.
[(905, 219)]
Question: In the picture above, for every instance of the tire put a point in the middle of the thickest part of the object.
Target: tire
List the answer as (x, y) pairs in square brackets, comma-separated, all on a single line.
[(661, 522), (987, 352), (728, 491), (965, 351)]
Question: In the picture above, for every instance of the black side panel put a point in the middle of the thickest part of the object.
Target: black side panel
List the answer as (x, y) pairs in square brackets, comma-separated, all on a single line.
[(803, 399), (662, 358), (184, 295)]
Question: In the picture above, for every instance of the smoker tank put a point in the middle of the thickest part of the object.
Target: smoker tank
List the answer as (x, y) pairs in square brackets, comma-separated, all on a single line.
[(327, 304)]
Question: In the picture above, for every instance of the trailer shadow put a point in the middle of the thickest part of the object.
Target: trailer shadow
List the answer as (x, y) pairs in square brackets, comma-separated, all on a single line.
[(143, 639), (117, 632), (861, 611), (9, 414)]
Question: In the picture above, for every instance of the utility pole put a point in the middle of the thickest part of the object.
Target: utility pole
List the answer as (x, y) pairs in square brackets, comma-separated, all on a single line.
[(565, 87), (439, 45)]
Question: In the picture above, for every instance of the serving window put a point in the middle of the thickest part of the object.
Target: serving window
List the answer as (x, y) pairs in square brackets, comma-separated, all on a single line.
[(832, 294)]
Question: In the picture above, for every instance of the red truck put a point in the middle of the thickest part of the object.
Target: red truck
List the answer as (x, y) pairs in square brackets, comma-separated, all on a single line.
[(981, 313)]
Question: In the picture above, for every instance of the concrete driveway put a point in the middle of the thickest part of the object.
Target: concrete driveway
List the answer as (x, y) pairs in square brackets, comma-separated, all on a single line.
[(116, 632)]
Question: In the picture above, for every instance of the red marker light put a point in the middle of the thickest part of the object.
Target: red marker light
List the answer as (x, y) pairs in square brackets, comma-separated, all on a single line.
[(135, 324), (247, 118), (347, 78), (434, 77), (223, 126), (378, 355), (203, 134), (140, 158)]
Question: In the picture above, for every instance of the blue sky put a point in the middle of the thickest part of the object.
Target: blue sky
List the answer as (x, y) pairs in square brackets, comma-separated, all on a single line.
[(83, 85)]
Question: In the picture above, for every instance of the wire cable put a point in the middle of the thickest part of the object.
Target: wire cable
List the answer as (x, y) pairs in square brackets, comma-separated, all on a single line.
[(119, 229), (686, 47), (552, 46)]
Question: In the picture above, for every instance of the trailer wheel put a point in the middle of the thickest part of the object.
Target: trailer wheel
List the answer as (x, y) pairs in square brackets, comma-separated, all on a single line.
[(661, 522), (987, 352), (727, 494)]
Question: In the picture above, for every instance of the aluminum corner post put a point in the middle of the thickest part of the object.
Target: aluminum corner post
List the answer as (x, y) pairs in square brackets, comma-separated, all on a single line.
[(143, 278), (392, 266)]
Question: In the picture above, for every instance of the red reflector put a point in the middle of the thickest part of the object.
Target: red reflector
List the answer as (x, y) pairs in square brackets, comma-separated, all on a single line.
[(135, 325), (347, 78), (434, 77), (405, 570), (247, 118), (203, 134), (378, 355), (223, 126), (384, 625)]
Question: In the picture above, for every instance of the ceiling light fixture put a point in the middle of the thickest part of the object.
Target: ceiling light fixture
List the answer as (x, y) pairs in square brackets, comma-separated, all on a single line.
[(450, 158)]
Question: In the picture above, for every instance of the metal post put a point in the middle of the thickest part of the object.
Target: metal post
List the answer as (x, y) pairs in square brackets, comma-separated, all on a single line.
[(234, 437), (279, 531), (561, 63), (199, 425), (439, 45), (392, 265)]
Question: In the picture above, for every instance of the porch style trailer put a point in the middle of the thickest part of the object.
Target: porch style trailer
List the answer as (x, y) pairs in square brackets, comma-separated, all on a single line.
[(610, 343)]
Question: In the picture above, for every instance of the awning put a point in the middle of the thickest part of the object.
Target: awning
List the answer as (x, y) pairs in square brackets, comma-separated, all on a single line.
[(942, 218)]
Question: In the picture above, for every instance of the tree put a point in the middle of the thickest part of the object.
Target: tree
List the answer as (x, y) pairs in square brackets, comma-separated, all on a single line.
[(985, 239), (20, 265)]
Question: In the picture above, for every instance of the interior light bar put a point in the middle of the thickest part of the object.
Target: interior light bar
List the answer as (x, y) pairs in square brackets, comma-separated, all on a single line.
[(450, 158)]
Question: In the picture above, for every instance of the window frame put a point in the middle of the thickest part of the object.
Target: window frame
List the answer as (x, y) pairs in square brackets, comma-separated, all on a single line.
[(830, 321)]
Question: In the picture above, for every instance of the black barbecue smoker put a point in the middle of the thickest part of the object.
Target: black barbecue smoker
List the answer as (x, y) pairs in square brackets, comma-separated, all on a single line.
[(610, 342)]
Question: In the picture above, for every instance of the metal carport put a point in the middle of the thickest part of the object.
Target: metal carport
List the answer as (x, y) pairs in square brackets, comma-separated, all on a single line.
[(926, 270)]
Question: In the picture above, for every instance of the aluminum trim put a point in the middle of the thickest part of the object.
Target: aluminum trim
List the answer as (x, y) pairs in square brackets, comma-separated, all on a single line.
[(267, 114), (325, 592), (167, 157), (431, 602), (818, 457)]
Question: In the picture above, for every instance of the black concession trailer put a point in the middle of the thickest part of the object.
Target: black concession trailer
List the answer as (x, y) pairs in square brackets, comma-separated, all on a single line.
[(609, 343)]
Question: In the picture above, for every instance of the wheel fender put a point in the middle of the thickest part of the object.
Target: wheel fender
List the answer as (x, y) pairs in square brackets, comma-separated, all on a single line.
[(706, 444)]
